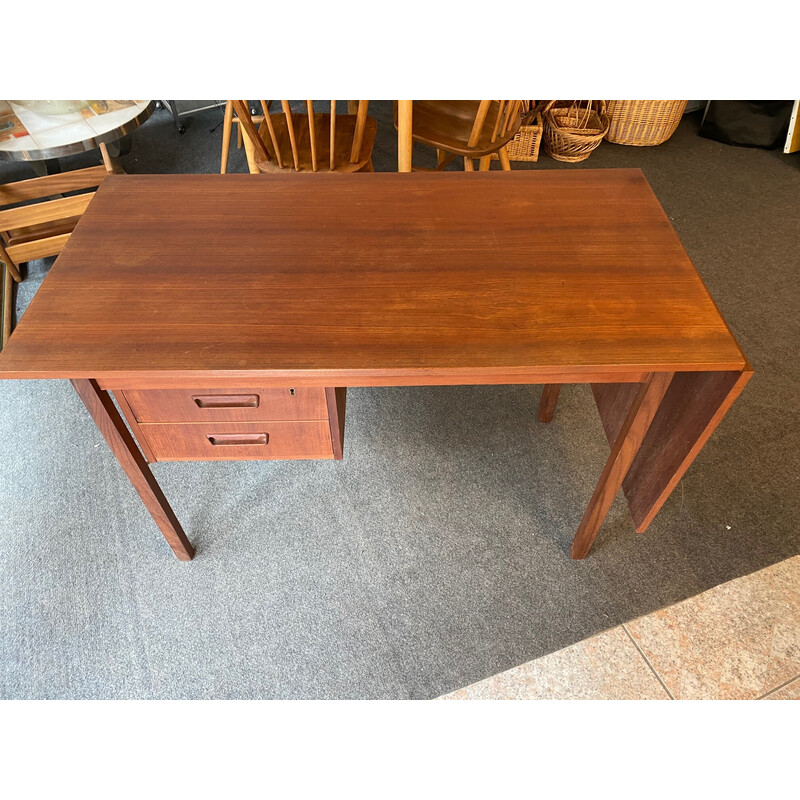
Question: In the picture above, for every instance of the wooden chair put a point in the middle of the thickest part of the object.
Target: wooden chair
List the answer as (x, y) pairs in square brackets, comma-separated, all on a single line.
[(39, 229), (308, 142), (228, 122), (469, 128)]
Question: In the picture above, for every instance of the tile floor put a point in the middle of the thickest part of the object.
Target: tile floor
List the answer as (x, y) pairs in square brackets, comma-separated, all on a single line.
[(737, 641)]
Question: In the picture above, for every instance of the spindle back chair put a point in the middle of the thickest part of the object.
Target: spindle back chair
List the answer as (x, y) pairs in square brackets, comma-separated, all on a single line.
[(310, 141)]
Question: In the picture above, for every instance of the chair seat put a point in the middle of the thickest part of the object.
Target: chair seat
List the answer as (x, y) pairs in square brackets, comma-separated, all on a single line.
[(345, 130), (447, 125)]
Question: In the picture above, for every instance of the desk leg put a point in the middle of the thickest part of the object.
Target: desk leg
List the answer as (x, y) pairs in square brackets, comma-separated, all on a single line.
[(547, 405), (404, 141), (103, 411), (631, 434)]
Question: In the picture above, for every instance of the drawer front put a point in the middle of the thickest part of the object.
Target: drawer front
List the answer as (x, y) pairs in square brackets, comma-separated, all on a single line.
[(231, 405), (227, 441)]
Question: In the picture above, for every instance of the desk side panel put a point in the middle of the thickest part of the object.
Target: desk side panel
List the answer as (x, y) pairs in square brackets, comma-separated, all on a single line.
[(693, 406)]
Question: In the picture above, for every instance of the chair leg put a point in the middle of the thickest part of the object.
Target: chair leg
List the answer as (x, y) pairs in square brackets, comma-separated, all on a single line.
[(227, 127), (250, 155), (5, 258), (547, 405), (239, 137), (485, 164), (469, 166), (505, 161), (112, 165)]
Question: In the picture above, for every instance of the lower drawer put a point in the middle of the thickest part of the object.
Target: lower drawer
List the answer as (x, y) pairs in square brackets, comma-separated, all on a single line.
[(224, 441)]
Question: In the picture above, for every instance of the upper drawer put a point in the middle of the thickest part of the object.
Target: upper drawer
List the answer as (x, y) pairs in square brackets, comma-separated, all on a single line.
[(230, 405)]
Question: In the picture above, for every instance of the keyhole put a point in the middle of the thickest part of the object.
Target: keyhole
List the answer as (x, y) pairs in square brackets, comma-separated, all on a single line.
[(291, 392)]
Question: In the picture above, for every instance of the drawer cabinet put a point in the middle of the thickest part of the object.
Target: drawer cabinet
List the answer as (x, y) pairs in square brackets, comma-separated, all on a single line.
[(236, 424)]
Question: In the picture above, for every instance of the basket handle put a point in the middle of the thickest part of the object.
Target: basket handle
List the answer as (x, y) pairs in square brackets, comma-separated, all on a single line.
[(601, 106)]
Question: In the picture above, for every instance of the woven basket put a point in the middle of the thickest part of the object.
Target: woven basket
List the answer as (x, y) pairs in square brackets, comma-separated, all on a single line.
[(571, 131), (643, 122), (525, 145)]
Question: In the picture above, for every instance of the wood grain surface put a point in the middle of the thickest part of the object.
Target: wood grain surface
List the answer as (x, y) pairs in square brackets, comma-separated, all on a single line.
[(231, 405), (371, 279), (239, 441)]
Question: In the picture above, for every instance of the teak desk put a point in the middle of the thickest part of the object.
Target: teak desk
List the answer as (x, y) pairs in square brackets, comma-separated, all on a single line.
[(228, 314)]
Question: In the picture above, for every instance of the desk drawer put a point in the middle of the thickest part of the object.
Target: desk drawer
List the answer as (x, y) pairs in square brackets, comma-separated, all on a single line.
[(226, 441), (230, 405)]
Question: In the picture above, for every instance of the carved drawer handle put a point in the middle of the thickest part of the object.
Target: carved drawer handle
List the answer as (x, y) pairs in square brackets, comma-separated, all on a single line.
[(226, 400), (221, 439)]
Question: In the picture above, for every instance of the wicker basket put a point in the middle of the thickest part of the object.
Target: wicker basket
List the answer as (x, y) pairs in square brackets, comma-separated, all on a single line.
[(643, 122), (525, 145), (571, 131)]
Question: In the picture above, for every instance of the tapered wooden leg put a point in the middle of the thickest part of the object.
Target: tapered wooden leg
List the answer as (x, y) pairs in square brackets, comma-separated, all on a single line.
[(12, 267), (485, 164), (441, 157), (547, 405), (112, 165), (8, 293), (505, 161), (227, 127), (469, 165), (630, 437), (405, 143), (105, 415), (352, 106)]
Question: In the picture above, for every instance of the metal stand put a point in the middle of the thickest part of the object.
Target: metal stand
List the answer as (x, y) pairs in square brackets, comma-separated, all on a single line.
[(174, 109)]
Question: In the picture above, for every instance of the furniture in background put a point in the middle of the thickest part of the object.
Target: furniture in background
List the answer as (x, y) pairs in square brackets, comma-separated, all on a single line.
[(230, 119), (308, 141), (747, 123), (42, 225), (643, 122), (50, 136), (356, 282), (189, 107), (792, 144), (472, 129)]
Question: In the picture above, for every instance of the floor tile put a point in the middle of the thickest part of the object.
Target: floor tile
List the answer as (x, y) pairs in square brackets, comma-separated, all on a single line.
[(605, 667), (735, 641), (789, 692)]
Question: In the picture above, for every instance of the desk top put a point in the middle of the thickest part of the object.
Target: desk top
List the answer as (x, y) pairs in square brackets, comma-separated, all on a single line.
[(371, 279)]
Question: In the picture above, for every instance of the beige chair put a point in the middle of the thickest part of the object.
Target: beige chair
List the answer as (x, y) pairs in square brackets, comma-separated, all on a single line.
[(39, 229), (308, 141), (473, 129)]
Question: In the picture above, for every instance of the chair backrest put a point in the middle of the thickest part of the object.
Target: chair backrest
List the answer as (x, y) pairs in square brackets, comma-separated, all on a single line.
[(39, 230), (469, 128), (507, 117), (308, 141)]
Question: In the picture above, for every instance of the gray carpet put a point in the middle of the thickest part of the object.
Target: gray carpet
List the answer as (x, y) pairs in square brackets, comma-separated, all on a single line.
[(436, 553)]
